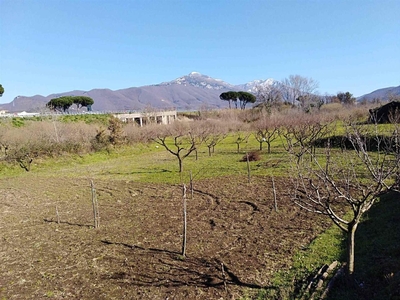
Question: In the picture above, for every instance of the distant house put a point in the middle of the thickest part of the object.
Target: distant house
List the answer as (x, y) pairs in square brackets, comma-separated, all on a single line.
[(26, 114), (162, 117), (387, 113)]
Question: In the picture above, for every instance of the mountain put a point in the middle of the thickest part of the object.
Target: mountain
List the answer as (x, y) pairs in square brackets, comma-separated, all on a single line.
[(252, 86), (382, 94), (199, 80), (191, 92)]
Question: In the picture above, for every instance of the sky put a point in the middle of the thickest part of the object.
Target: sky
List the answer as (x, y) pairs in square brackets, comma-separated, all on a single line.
[(55, 46)]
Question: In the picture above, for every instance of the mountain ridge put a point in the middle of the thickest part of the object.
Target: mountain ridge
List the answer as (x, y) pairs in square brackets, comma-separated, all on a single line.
[(383, 93), (190, 92)]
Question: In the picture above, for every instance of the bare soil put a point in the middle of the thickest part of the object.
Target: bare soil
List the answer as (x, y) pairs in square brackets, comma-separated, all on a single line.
[(236, 241)]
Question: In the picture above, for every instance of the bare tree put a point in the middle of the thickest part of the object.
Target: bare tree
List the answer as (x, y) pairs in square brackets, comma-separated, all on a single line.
[(302, 131), (334, 181), (266, 130), (214, 133), (296, 86), (269, 95), (180, 139), (241, 137)]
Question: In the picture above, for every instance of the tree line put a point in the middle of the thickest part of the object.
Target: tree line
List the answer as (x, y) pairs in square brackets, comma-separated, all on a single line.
[(238, 98), (295, 90)]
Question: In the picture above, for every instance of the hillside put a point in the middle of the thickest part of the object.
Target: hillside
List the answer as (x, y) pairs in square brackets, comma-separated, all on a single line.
[(382, 94), (191, 92)]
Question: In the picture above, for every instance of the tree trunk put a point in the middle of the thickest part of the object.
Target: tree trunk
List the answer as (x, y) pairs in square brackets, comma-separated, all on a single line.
[(261, 146), (350, 247), (180, 165)]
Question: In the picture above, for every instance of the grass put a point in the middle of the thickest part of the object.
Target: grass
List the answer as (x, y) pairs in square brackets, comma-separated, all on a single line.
[(291, 284), (152, 163), (87, 118)]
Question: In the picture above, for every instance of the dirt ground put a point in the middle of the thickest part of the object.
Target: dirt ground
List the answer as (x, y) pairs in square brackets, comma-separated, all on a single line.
[(235, 240)]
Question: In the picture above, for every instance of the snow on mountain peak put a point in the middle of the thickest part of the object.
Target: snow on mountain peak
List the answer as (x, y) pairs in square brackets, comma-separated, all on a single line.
[(197, 79), (253, 86)]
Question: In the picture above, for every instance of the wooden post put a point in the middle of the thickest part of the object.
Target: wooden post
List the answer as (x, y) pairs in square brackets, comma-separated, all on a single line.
[(184, 221), (191, 185), (96, 214), (248, 167), (58, 215), (274, 191)]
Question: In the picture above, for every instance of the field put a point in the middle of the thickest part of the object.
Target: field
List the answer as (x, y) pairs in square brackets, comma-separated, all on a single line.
[(241, 243), (236, 241)]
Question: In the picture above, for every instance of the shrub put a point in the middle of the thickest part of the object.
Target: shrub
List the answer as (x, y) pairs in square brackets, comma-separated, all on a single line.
[(253, 156), (117, 135)]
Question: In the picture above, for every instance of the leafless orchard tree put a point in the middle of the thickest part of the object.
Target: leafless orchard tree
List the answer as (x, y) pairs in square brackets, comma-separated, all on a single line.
[(214, 133), (301, 131), (266, 130), (240, 138), (354, 178), (180, 139)]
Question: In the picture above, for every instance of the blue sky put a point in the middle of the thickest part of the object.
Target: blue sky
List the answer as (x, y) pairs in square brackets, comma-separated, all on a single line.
[(54, 46)]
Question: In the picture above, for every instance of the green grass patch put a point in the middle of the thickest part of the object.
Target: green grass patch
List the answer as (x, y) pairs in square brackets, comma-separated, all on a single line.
[(291, 284), (152, 163), (17, 122), (87, 118)]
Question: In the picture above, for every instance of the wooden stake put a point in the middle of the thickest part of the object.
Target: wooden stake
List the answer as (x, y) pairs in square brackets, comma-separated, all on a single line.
[(248, 167), (191, 184), (184, 221), (274, 191), (96, 214), (58, 215)]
